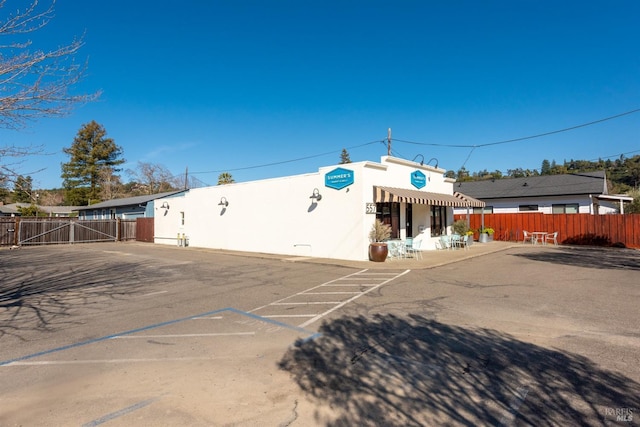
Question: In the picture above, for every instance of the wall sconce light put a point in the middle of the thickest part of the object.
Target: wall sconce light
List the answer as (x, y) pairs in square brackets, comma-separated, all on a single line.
[(433, 158), (316, 195), (223, 202), (421, 161), (165, 205)]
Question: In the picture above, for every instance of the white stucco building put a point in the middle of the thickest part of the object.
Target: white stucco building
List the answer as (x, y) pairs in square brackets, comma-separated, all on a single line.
[(325, 214)]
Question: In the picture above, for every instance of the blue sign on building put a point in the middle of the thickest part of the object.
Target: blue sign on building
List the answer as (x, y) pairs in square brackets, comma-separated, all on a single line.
[(418, 179), (338, 178)]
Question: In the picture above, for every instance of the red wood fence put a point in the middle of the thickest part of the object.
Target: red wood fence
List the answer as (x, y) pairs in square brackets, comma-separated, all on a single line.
[(144, 230), (602, 230)]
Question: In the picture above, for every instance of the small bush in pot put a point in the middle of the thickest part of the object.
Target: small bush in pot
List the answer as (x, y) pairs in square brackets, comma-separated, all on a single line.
[(378, 235), (460, 227)]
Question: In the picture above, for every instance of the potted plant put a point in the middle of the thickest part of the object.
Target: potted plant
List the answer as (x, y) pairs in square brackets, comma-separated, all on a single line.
[(469, 235), (378, 235), (461, 228), (486, 234)]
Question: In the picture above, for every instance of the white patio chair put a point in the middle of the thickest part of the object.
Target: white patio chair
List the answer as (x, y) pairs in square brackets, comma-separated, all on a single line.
[(552, 237), (396, 249), (445, 242), (456, 241), (528, 237), (463, 242), (414, 249)]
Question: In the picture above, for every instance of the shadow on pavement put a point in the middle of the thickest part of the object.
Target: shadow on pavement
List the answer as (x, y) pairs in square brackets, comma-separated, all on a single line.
[(388, 370), (38, 293), (591, 257)]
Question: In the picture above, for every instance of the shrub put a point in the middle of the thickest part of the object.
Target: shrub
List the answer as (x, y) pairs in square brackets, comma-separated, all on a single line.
[(379, 232)]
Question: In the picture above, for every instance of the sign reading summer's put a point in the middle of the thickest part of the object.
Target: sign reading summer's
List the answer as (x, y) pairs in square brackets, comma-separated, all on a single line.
[(418, 179), (338, 178)]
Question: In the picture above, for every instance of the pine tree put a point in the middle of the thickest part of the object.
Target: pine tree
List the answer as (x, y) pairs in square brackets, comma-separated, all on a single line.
[(22, 189), (344, 157), (91, 154)]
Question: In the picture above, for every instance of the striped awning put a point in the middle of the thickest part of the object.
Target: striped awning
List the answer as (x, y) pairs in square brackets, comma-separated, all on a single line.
[(398, 195), (472, 203)]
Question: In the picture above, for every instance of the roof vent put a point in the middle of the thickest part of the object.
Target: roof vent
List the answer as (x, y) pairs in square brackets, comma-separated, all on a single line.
[(525, 185)]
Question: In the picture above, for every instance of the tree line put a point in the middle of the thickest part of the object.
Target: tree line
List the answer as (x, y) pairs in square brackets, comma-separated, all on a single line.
[(91, 175), (623, 173)]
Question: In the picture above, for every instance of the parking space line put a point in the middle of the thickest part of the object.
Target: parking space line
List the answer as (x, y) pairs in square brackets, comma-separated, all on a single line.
[(310, 289), (514, 405), (350, 284), (221, 334), (120, 413), (21, 359), (328, 293), (112, 361), (152, 293), (382, 279), (306, 303), (270, 316), (342, 304)]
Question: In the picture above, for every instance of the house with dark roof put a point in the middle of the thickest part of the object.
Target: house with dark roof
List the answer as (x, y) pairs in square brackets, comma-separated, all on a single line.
[(125, 208), (567, 193), (13, 209)]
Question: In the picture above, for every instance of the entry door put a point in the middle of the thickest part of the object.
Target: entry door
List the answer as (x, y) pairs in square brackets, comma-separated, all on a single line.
[(409, 220)]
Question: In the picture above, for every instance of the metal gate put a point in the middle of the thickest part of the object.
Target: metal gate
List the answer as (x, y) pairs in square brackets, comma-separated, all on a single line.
[(41, 231)]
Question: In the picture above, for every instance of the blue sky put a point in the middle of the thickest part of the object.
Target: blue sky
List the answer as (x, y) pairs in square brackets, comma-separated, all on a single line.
[(217, 86)]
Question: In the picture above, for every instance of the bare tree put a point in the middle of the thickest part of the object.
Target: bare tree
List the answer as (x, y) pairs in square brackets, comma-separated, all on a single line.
[(34, 83), (154, 178), (110, 185)]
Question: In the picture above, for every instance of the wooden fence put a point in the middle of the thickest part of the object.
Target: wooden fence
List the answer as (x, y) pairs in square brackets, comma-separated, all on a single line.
[(601, 230), (144, 230), (45, 230)]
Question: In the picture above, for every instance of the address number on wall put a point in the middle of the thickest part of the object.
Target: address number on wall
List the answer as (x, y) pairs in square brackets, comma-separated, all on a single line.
[(370, 208)]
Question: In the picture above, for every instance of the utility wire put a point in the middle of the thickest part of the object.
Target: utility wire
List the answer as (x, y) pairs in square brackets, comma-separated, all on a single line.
[(472, 146), (286, 161), (524, 137)]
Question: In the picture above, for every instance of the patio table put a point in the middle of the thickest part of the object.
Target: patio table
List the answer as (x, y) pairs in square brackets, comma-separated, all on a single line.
[(539, 236)]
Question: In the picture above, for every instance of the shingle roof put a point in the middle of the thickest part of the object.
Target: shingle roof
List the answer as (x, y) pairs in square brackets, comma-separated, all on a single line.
[(536, 186), (128, 201), (12, 208)]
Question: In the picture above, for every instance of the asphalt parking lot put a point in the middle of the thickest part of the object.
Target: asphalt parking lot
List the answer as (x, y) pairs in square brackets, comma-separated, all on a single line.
[(134, 334)]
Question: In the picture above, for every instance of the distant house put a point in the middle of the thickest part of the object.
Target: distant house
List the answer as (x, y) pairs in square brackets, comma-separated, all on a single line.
[(13, 209), (125, 208), (568, 193)]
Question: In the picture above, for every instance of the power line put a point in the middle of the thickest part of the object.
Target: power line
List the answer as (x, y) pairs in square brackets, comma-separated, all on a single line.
[(388, 140), (524, 137), (285, 161)]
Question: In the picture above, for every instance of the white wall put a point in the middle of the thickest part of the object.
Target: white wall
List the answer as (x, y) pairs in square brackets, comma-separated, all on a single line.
[(271, 216), (277, 216)]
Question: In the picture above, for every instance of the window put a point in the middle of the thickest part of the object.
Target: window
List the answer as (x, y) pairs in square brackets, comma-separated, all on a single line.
[(527, 208), (486, 209), (389, 213), (571, 208), (438, 220)]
